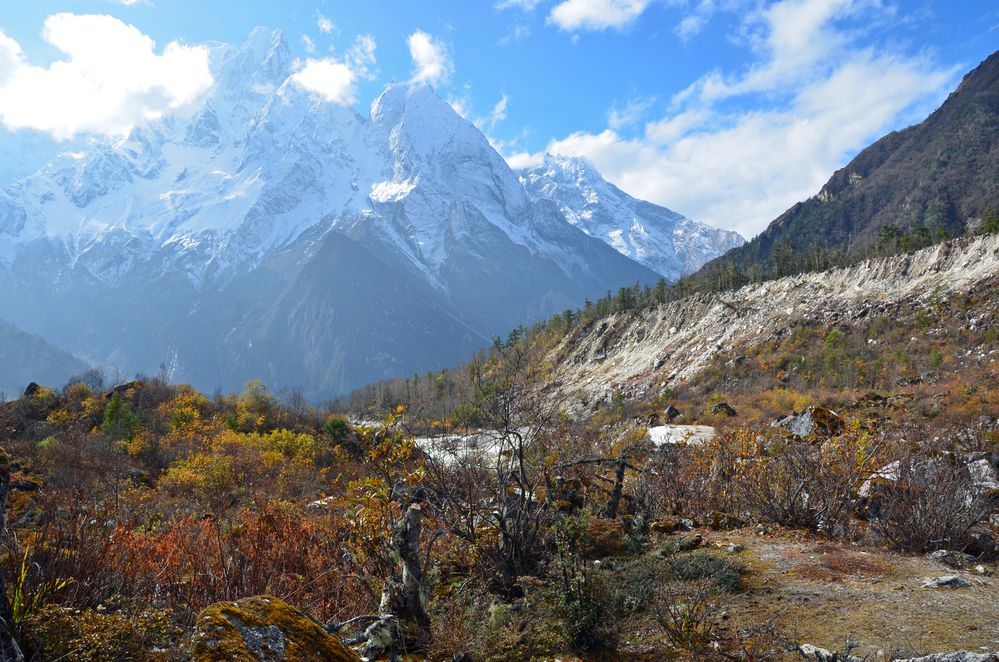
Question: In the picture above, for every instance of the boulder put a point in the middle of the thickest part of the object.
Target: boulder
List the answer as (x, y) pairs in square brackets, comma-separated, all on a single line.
[(984, 477), (871, 399), (952, 559), (959, 656), (886, 475), (321, 504), (123, 389), (671, 414), (665, 525), (813, 421), (721, 521), (32, 389), (816, 654), (947, 581), (689, 543), (982, 545), (264, 629), (724, 409)]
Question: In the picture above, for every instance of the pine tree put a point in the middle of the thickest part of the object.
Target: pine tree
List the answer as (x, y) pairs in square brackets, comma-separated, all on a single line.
[(990, 221)]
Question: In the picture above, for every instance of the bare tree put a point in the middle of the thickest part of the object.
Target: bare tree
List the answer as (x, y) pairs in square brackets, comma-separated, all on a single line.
[(488, 485)]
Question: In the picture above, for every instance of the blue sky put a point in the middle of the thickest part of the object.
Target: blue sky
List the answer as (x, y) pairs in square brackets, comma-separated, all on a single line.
[(726, 110)]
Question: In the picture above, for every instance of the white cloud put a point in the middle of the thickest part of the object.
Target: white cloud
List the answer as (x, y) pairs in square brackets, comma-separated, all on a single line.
[(132, 3), (498, 113), (631, 113), (361, 56), (524, 5), (693, 22), (517, 33), (432, 63), (324, 24), (308, 43), (331, 80), (519, 160), (738, 149), (462, 106), (110, 79), (571, 15)]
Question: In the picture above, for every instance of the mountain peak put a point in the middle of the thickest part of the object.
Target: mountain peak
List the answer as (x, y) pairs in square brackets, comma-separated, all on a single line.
[(577, 164), (402, 99), (264, 42), (259, 65), (657, 237)]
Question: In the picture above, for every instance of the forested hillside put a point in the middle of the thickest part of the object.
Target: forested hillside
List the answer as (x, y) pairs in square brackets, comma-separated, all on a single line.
[(932, 180), (26, 358)]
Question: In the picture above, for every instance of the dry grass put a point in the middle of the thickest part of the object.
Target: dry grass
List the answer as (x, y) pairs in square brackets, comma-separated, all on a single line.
[(832, 563)]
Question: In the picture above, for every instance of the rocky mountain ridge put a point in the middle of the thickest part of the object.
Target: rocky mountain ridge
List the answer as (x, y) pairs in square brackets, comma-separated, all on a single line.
[(638, 354), (661, 239), (936, 176)]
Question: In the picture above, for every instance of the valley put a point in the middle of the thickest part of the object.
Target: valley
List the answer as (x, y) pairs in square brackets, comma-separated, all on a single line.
[(308, 353)]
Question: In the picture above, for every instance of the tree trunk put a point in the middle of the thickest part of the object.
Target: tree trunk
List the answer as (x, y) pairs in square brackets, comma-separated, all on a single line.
[(615, 497), (406, 599)]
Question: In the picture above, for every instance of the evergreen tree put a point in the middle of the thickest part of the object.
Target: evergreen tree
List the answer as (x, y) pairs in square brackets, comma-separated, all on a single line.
[(990, 221)]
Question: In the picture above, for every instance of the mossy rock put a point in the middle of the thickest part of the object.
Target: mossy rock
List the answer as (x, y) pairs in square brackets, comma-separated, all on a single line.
[(264, 628)]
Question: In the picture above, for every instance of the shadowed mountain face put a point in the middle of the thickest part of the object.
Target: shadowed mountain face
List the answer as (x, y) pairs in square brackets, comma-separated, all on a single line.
[(267, 233), (939, 174), (28, 358)]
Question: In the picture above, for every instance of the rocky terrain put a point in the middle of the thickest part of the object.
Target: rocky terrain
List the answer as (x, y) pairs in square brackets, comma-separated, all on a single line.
[(641, 352)]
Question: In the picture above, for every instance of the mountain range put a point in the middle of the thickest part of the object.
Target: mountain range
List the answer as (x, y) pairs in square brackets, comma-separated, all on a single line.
[(265, 232)]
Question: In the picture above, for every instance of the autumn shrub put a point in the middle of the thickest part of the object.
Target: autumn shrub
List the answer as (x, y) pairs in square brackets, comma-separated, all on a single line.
[(208, 478), (604, 537), (682, 480), (801, 484), (587, 613), (686, 614)]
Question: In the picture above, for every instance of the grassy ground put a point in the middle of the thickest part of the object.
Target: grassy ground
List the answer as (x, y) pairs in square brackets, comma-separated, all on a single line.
[(827, 594)]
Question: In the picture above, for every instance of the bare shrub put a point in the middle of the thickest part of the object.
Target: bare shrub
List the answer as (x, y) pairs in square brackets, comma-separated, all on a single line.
[(804, 485), (686, 614), (926, 504)]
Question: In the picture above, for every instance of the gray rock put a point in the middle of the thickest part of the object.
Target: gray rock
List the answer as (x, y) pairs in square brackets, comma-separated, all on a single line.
[(810, 652), (724, 409), (959, 656), (814, 420), (952, 559), (689, 543), (946, 581)]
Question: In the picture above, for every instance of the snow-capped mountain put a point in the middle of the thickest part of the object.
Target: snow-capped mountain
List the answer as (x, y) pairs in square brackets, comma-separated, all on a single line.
[(661, 239), (268, 233)]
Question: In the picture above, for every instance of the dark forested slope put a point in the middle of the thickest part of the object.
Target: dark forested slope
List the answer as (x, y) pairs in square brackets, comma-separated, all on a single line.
[(931, 178)]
